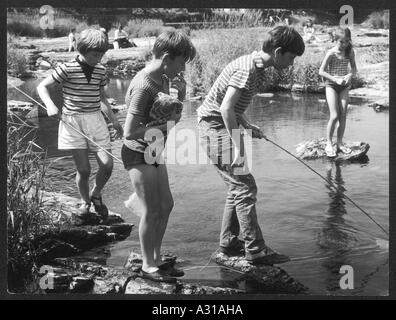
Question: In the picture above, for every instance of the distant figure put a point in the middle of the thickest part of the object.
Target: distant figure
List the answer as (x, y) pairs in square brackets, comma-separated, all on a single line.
[(121, 39), (309, 32), (72, 40)]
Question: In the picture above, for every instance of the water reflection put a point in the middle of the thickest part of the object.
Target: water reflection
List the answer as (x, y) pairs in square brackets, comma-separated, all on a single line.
[(334, 238)]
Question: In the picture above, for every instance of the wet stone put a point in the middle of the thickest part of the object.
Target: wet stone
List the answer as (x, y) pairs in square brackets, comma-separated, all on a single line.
[(315, 149), (270, 279)]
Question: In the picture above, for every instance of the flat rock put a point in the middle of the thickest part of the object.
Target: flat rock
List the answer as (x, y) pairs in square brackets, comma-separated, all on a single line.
[(315, 149), (271, 279), (76, 234), (380, 105), (14, 105)]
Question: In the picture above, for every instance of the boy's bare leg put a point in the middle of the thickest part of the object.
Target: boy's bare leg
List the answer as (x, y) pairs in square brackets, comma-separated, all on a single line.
[(166, 206), (332, 101), (343, 101), (145, 182), (105, 162), (83, 171)]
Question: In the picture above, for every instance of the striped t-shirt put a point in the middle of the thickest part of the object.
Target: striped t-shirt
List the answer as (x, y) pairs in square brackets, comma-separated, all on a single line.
[(338, 65), (246, 73), (139, 100), (79, 94)]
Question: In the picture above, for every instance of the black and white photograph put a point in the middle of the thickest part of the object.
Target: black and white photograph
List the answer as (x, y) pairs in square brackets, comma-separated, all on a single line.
[(209, 151)]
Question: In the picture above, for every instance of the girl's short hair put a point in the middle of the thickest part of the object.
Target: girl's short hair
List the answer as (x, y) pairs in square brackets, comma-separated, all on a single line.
[(175, 43), (340, 33), (92, 40), (285, 37)]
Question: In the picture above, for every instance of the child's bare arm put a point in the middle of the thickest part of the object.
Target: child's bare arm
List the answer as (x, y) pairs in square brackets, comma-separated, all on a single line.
[(109, 112), (353, 63), (256, 131), (228, 114), (43, 91)]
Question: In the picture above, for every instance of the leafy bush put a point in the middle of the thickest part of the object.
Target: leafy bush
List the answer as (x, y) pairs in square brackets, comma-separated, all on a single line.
[(145, 28), (378, 20), (16, 58)]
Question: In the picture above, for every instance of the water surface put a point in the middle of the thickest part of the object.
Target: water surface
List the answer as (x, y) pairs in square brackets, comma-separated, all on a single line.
[(300, 215)]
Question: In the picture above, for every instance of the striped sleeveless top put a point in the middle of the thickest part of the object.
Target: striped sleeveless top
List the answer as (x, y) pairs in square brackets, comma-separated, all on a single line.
[(139, 100), (338, 66), (246, 73), (80, 95)]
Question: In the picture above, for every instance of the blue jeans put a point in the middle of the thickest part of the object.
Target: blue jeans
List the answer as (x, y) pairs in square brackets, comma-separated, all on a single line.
[(240, 208)]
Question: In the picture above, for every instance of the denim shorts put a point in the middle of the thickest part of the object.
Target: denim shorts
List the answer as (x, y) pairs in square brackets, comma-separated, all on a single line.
[(132, 158)]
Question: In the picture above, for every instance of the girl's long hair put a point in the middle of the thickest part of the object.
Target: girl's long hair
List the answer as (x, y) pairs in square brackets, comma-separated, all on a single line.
[(344, 33)]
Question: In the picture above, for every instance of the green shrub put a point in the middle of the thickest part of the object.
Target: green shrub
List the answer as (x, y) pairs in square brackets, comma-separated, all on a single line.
[(28, 25), (215, 50), (378, 20), (144, 28), (16, 58)]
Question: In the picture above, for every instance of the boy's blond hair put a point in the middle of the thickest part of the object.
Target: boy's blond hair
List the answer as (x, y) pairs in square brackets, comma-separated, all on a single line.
[(92, 40)]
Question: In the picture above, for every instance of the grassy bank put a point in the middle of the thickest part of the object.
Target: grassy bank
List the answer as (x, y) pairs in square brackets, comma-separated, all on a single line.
[(26, 218)]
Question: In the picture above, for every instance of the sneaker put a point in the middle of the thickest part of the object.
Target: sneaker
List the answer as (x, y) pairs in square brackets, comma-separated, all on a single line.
[(100, 208), (234, 251), (330, 151), (266, 257)]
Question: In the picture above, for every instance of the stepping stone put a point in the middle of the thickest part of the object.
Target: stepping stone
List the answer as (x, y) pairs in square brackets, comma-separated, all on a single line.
[(315, 149), (270, 279)]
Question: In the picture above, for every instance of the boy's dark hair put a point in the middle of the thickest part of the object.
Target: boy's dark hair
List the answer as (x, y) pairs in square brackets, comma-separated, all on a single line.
[(285, 37), (344, 33), (175, 43), (92, 40)]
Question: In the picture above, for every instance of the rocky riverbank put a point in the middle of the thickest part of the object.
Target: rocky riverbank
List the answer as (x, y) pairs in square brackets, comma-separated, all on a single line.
[(73, 259)]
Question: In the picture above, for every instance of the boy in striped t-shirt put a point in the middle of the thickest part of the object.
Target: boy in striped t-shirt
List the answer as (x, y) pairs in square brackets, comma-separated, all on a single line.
[(83, 80), (220, 114)]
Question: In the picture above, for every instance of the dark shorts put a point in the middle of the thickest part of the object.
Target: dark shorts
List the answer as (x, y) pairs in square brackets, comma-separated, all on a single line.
[(132, 158), (338, 88)]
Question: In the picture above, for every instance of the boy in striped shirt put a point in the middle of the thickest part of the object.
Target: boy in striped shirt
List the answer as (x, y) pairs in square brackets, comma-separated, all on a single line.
[(222, 112), (83, 80)]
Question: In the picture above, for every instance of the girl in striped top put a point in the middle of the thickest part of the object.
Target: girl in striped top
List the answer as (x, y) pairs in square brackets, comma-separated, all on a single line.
[(83, 80), (338, 77)]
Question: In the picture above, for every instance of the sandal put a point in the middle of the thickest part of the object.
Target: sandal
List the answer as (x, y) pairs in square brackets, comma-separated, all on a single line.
[(100, 208), (330, 152), (157, 276)]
